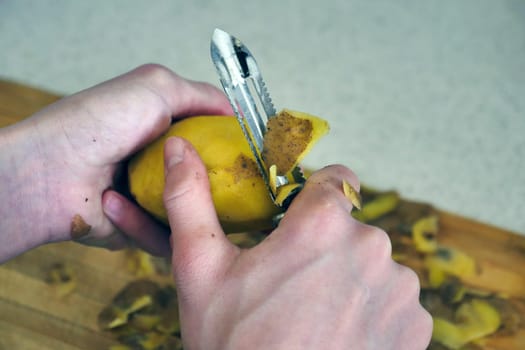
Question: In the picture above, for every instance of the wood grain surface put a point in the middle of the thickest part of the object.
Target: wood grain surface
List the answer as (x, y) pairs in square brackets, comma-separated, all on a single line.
[(34, 316)]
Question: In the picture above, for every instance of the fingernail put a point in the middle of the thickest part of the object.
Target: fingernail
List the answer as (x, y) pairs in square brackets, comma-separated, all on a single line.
[(174, 151), (112, 206)]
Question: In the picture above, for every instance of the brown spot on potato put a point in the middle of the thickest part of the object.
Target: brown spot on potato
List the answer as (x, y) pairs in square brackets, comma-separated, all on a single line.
[(244, 168), (79, 228)]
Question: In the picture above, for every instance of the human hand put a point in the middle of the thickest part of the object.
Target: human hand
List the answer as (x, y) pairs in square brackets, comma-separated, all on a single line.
[(320, 280), (61, 166)]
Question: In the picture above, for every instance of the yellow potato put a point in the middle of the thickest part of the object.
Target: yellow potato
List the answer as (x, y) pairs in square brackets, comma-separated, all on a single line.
[(239, 192)]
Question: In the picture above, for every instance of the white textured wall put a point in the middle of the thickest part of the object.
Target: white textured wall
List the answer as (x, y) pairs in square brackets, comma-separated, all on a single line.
[(427, 97)]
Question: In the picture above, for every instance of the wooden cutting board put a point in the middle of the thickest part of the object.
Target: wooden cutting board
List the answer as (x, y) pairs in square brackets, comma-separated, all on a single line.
[(34, 316)]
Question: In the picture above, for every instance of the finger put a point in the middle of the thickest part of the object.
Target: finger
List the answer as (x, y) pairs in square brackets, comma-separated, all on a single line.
[(114, 241), (141, 103), (132, 221), (177, 97), (322, 204), (184, 97), (200, 248)]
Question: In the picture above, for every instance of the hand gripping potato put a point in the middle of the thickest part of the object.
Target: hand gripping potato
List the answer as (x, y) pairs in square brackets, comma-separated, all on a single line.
[(240, 195)]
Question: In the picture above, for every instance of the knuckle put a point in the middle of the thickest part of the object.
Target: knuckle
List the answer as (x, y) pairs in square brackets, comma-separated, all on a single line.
[(417, 330), (157, 78), (328, 213), (184, 181), (423, 325), (428, 324), (336, 171), (411, 277), (321, 199), (325, 220), (376, 241), (154, 71), (173, 196), (184, 186), (324, 205), (427, 321), (409, 280)]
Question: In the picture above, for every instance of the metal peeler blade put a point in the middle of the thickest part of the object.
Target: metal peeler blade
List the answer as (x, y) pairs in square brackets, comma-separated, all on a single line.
[(243, 84)]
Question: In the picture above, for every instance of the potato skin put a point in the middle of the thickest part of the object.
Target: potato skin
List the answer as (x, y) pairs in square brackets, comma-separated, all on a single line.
[(239, 193)]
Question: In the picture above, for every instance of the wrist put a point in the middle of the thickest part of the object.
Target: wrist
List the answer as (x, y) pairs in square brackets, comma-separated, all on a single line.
[(24, 191)]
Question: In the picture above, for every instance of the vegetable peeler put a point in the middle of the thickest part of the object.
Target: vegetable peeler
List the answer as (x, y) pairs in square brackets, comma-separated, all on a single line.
[(242, 82)]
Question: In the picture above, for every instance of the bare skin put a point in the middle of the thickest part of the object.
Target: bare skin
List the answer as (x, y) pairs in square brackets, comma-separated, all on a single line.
[(63, 161), (320, 280)]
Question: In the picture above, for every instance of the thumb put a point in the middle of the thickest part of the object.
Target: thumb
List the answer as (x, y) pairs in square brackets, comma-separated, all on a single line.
[(200, 248)]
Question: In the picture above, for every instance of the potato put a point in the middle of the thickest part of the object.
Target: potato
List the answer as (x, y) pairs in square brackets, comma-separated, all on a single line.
[(239, 192)]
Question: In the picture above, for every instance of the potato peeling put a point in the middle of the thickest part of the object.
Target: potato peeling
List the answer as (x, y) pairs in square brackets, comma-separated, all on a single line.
[(381, 204), (79, 228), (472, 320), (142, 264), (424, 233), (62, 279), (352, 195), (289, 137), (143, 315)]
